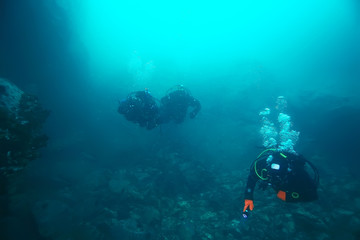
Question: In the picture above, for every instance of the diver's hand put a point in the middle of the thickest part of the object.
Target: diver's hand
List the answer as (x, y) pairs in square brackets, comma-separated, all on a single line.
[(248, 204)]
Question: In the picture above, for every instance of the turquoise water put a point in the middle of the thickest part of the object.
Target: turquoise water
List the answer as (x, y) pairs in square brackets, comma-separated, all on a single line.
[(107, 178)]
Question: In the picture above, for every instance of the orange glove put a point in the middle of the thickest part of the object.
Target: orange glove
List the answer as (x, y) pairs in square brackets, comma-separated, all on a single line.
[(281, 195), (249, 204)]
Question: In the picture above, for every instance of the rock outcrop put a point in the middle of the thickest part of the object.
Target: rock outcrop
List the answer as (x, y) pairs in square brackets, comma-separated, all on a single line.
[(21, 120)]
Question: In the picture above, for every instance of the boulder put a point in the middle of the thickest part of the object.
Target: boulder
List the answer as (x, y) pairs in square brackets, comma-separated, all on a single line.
[(53, 218), (21, 120), (10, 96)]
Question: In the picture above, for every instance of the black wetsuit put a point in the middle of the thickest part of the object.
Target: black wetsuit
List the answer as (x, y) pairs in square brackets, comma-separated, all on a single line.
[(175, 104), (284, 172), (140, 107)]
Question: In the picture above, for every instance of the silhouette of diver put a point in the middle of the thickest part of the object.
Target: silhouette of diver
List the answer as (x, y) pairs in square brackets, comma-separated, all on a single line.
[(140, 107), (175, 104)]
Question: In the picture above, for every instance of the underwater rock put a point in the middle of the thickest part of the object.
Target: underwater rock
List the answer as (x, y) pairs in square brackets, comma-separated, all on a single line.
[(21, 120), (342, 212), (357, 203), (289, 226), (352, 186), (186, 230), (86, 231), (119, 185), (148, 215), (125, 187), (208, 215), (10, 96), (354, 223), (130, 204), (52, 217), (127, 230)]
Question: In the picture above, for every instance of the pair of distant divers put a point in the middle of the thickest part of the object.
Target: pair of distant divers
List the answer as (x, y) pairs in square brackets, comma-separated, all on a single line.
[(293, 178), (142, 108)]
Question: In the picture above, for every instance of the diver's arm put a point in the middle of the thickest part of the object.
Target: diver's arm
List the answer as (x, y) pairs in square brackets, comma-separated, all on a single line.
[(250, 185), (196, 105), (249, 191)]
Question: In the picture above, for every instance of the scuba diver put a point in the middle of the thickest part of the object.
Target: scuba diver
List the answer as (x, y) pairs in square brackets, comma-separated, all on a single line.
[(175, 104), (293, 178), (140, 107)]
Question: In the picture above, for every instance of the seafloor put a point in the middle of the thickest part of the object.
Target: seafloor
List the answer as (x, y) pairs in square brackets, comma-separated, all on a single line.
[(175, 197)]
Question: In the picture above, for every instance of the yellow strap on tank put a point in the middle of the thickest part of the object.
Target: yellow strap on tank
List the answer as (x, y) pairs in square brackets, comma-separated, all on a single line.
[(270, 149), (295, 195), (262, 170)]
